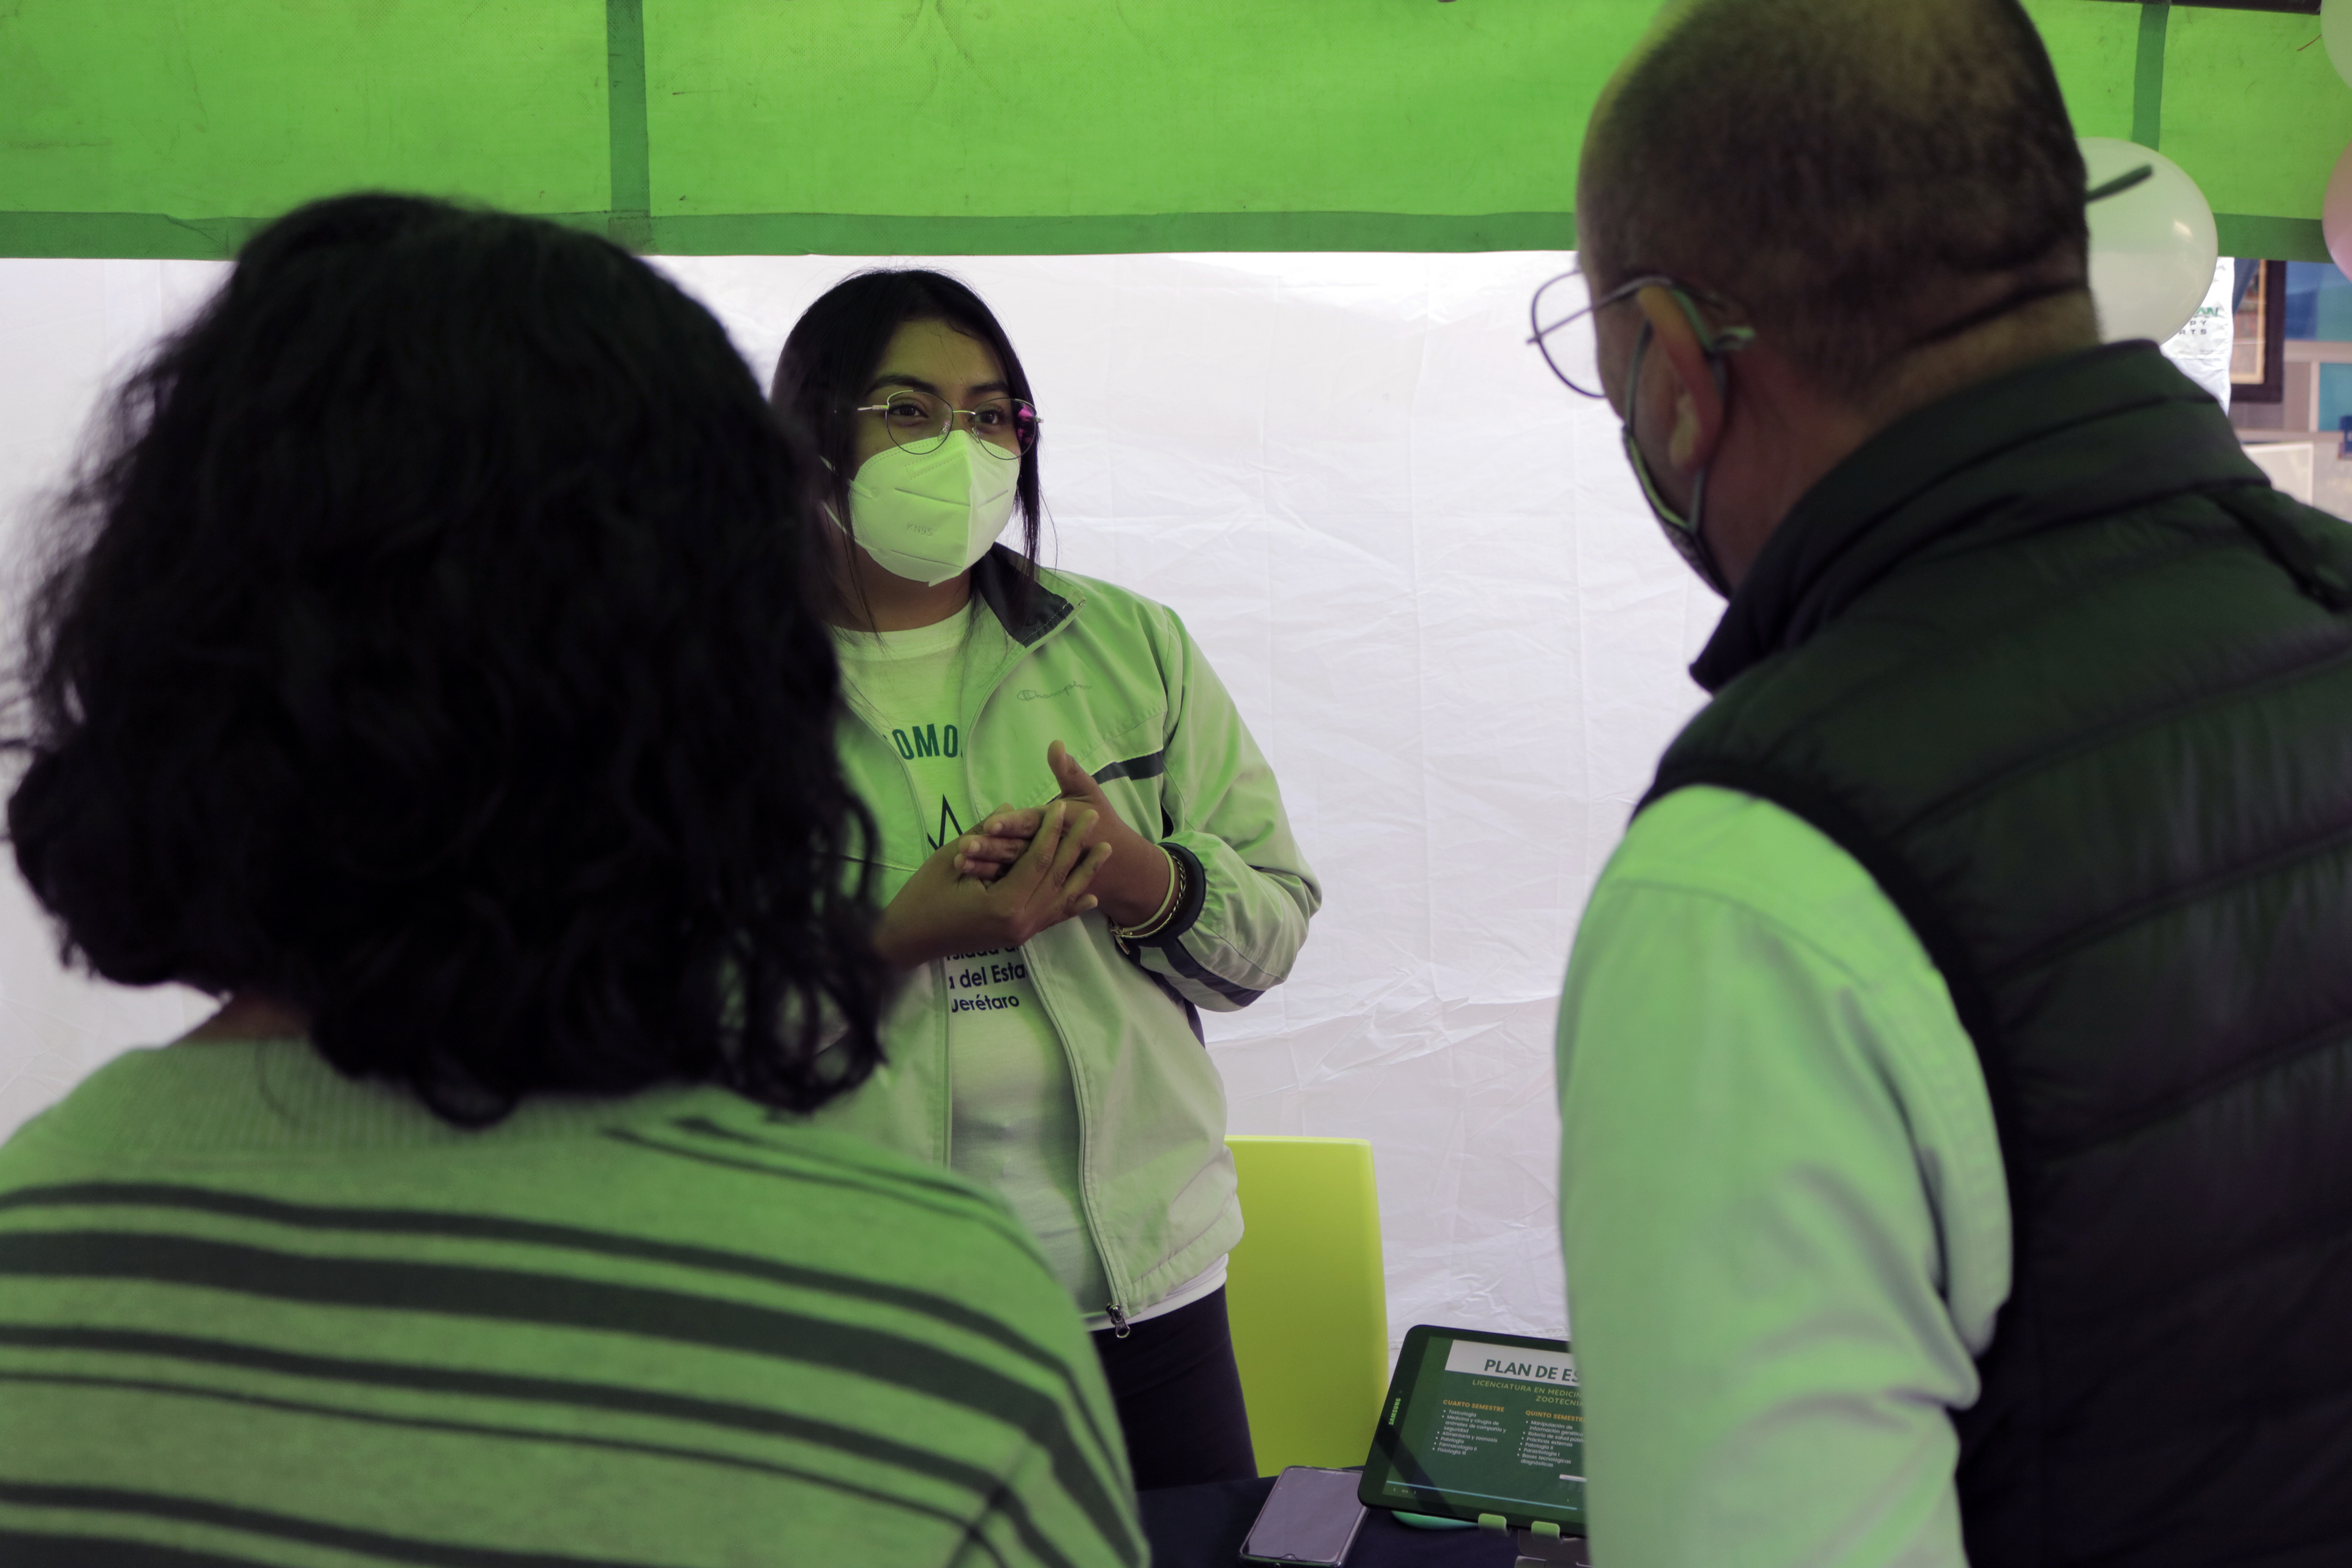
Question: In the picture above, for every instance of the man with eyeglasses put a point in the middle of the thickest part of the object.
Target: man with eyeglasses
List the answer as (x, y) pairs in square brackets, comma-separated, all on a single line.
[(1956, 1060)]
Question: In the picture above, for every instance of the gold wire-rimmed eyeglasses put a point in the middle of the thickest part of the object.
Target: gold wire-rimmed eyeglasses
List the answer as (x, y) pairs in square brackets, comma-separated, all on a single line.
[(919, 422)]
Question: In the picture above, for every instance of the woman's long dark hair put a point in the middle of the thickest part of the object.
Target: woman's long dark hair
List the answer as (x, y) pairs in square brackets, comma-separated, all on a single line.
[(837, 345), (433, 642)]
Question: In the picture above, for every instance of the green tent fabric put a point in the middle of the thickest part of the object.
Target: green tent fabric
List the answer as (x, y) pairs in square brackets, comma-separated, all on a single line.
[(169, 128)]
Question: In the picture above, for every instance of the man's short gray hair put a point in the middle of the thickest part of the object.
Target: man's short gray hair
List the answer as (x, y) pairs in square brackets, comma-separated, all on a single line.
[(1856, 174)]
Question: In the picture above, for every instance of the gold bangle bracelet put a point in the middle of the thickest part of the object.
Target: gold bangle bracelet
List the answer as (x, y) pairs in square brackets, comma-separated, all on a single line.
[(1168, 905)]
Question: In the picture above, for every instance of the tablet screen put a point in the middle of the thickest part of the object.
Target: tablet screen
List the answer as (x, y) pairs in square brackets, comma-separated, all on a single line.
[(1481, 1424)]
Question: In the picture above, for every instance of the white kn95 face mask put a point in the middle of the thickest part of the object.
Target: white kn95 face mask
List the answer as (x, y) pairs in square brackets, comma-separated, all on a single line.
[(928, 516)]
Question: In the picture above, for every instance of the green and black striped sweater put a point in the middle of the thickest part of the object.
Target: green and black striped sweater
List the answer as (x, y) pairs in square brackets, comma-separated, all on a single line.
[(253, 1312)]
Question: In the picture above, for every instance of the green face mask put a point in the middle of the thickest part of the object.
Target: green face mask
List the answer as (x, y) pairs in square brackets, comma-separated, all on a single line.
[(928, 516)]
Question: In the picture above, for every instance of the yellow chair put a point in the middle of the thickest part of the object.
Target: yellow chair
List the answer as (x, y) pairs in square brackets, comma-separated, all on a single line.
[(1307, 1299)]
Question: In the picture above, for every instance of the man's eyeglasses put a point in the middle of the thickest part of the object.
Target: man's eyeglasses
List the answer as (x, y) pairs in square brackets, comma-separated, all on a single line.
[(918, 422), (1575, 356), (1573, 350)]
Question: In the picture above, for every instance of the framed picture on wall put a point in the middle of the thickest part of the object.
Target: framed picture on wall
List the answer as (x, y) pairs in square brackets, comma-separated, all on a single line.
[(2258, 344)]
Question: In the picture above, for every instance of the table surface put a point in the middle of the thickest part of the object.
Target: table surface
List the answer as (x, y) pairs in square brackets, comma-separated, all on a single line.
[(1203, 1527)]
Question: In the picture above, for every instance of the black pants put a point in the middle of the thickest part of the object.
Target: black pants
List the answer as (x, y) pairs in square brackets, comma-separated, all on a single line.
[(1179, 1396)]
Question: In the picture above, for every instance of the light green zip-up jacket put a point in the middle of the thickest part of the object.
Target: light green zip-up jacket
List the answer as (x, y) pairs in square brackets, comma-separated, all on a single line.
[(1116, 679)]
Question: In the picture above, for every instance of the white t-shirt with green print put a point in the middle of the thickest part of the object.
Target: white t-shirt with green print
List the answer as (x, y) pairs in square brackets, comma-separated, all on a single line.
[(1016, 1114)]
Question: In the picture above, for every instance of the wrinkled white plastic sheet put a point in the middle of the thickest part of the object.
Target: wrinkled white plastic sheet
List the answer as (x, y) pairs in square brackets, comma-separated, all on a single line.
[(66, 328), (1417, 560)]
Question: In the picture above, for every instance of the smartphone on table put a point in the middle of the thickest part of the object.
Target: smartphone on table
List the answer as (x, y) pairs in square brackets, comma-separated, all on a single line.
[(1309, 1520)]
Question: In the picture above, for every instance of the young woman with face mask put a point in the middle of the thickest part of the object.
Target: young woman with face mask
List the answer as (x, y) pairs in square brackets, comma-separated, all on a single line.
[(1081, 847)]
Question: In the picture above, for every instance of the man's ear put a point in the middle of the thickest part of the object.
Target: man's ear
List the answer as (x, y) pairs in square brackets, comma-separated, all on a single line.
[(1698, 403)]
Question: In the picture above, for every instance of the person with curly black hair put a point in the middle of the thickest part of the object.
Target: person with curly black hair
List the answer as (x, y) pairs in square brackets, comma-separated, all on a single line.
[(432, 660)]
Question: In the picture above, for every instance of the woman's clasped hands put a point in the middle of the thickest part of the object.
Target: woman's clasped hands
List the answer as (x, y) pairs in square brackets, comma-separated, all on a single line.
[(943, 911), (1132, 888)]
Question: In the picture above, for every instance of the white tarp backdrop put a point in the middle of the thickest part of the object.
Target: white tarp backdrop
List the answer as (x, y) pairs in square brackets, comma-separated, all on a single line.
[(65, 326), (1415, 558)]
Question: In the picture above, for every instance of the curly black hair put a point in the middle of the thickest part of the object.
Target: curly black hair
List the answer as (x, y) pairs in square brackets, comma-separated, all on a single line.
[(434, 641)]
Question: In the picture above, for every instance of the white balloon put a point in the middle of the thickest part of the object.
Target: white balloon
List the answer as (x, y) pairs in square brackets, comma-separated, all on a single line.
[(2152, 246), (2336, 27)]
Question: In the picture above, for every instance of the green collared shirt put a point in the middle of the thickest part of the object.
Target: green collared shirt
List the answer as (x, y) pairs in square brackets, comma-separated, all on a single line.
[(1786, 1225)]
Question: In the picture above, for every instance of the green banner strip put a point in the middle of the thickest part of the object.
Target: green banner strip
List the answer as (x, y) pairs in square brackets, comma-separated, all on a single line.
[(146, 237), (2147, 75), (859, 234), (2272, 238), (625, 77), (155, 236)]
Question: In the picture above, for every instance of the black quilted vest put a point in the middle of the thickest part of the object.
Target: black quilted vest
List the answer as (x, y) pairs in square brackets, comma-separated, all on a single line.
[(2054, 663)]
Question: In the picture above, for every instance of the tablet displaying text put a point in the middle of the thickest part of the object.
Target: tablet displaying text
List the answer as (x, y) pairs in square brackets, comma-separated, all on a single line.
[(1481, 1424)]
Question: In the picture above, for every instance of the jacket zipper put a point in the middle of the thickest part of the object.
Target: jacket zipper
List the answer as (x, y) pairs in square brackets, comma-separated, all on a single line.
[(1120, 1328)]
